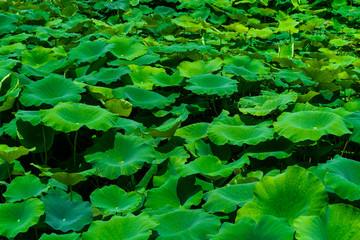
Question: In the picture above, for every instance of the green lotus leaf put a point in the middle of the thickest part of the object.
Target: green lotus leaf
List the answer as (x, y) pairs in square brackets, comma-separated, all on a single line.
[(64, 215), (142, 98), (127, 48), (354, 120), (68, 117), (115, 200), (7, 23), (288, 25), (24, 187), (167, 129), (294, 193), (9, 154), (211, 84), (210, 166), (38, 57), (339, 42), (50, 90), (186, 224), (39, 137), (105, 75), (142, 76), (100, 93), (120, 107), (221, 134), (69, 179), (336, 221), (343, 177), (88, 51), (17, 218), (164, 80), (129, 227), (309, 125), (191, 69), (263, 33), (32, 117), (280, 149), (228, 198), (129, 125), (193, 132), (292, 78), (54, 236), (250, 69), (127, 157), (268, 228), (176, 192)]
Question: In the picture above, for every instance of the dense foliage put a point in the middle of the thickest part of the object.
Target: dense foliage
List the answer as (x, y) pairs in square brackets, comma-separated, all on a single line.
[(179, 119)]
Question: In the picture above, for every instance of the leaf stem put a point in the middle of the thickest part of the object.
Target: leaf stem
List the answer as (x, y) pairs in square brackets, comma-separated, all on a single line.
[(45, 148), (342, 152), (75, 140)]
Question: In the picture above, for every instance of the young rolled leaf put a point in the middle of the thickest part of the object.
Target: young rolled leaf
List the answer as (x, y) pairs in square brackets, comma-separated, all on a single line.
[(68, 117)]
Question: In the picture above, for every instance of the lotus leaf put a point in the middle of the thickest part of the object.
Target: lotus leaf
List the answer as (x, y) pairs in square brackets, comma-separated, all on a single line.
[(142, 76), (167, 129), (264, 33), (120, 107), (51, 90), (9, 154), (7, 23), (186, 224), (193, 132), (288, 25), (336, 221), (64, 215), (354, 120), (32, 117), (143, 98), (127, 157), (54, 236), (221, 134), (294, 193), (16, 218), (343, 177), (38, 57), (266, 103), (127, 48), (24, 187), (268, 228), (105, 75), (68, 117), (291, 77), (191, 69), (164, 80), (39, 137), (211, 84), (309, 125), (113, 199), (69, 179), (227, 199), (280, 149), (169, 194), (88, 51), (129, 227), (210, 166), (250, 69)]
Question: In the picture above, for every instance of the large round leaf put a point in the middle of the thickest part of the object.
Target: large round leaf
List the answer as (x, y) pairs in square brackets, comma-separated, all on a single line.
[(127, 48), (115, 200), (105, 75), (16, 218), (67, 117), (54, 236), (129, 227), (142, 76), (227, 199), (191, 69), (336, 222), (343, 177), (268, 228), (64, 215), (186, 224), (211, 84), (266, 103), (50, 90), (24, 187), (193, 132), (9, 154), (309, 125), (37, 57), (88, 51), (294, 193), (221, 134), (127, 157), (144, 98)]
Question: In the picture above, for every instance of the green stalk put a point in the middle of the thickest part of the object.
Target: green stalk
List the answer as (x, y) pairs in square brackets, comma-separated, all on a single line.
[(45, 148), (75, 140)]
